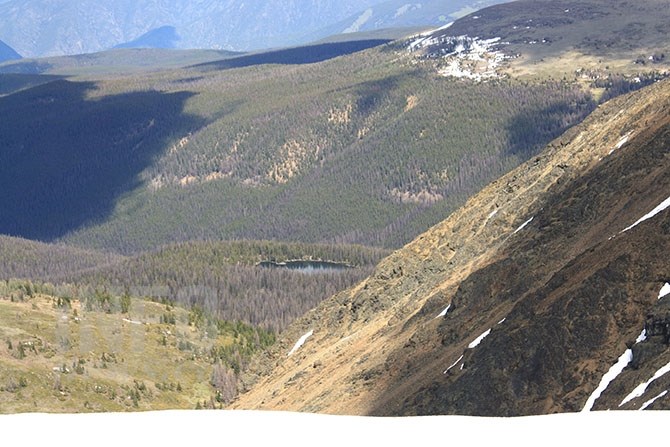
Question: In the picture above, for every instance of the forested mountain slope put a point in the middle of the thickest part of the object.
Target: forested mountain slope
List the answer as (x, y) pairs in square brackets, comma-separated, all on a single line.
[(265, 151), (254, 147), (530, 299)]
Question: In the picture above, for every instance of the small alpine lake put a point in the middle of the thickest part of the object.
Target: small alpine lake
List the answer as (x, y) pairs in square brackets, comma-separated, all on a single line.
[(307, 266)]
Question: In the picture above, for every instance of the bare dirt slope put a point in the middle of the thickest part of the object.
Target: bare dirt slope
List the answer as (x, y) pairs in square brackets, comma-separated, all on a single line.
[(545, 292)]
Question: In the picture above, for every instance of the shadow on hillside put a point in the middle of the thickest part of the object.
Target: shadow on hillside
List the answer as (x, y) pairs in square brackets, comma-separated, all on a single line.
[(530, 130), (296, 56), (13, 82), (65, 159)]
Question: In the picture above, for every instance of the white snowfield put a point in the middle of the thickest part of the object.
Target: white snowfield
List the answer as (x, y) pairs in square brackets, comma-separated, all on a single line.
[(191, 428)]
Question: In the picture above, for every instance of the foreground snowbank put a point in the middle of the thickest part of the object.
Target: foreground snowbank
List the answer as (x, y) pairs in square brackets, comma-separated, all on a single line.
[(182, 428)]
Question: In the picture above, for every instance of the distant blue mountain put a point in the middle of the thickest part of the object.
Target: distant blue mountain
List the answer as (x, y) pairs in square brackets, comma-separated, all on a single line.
[(7, 53), (39, 28), (163, 37)]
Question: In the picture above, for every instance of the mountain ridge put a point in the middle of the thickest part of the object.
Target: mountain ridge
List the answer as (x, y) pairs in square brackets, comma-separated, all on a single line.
[(57, 27)]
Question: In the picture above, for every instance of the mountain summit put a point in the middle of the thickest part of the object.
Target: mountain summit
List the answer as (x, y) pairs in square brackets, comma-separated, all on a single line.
[(547, 292), (7, 53)]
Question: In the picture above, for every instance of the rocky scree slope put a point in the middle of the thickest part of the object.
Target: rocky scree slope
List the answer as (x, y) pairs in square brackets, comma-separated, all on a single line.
[(519, 303)]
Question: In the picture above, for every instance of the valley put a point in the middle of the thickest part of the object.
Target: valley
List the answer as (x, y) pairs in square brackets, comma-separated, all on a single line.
[(389, 222)]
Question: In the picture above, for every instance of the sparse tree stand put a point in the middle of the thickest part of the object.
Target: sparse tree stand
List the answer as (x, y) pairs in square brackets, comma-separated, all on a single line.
[(125, 302), (224, 380)]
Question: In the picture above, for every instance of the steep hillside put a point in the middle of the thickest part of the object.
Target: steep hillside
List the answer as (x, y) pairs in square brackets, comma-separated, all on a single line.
[(254, 147), (527, 300), (264, 151)]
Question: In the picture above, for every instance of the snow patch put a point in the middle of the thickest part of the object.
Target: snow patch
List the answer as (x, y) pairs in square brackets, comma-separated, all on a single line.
[(502, 321), (444, 312), (663, 205), (609, 376), (301, 342), (524, 225), (479, 339), (651, 401), (642, 337), (493, 213), (476, 59), (360, 21), (642, 388), (462, 56), (424, 39), (665, 291), (620, 144), (132, 321), (453, 364)]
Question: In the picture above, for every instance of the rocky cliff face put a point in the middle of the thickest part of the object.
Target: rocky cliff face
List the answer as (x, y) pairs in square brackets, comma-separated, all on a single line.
[(530, 299)]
